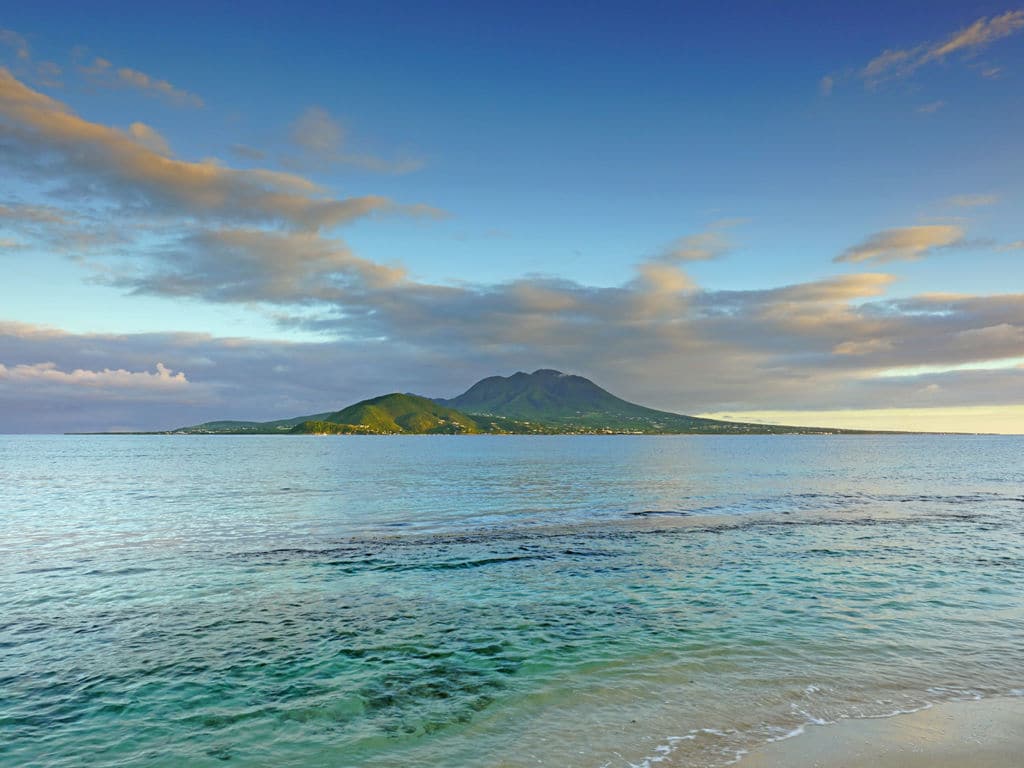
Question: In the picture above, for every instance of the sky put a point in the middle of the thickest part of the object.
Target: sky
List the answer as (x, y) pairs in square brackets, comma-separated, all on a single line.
[(804, 213)]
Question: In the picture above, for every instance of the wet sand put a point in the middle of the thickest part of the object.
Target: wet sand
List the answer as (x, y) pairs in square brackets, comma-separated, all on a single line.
[(979, 734)]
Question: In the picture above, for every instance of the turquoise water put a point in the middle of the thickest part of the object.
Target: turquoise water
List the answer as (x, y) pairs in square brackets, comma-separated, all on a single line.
[(494, 601)]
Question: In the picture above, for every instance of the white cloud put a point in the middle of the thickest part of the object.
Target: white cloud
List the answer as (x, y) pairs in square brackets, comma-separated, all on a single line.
[(162, 379)]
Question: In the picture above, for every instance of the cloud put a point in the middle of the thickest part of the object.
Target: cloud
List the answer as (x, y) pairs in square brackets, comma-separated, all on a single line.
[(149, 138), (664, 278), (45, 73), (901, 63), (658, 338), (162, 378), (321, 140), (49, 73), (972, 201), (903, 244), (102, 72), (886, 62), (979, 34), (17, 43), (248, 153), (931, 107), (317, 132), (57, 230), (831, 343), (124, 167), (826, 84), (31, 213), (227, 378), (249, 265), (702, 246)]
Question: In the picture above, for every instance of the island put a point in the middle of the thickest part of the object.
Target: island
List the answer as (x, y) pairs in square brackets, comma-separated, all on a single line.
[(545, 402)]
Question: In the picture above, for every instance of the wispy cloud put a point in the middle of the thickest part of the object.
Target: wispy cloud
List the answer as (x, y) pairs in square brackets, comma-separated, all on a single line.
[(979, 34), (931, 107), (44, 73), (251, 154), (102, 72), (321, 139), (703, 246), (35, 214), (903, 62), (903, 244), (972, 201), (18, 44)]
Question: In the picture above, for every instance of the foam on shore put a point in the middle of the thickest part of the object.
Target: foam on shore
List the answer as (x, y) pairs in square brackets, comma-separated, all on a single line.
[(980, 734)]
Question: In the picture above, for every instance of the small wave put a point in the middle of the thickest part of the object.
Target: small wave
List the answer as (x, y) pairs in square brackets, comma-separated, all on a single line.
[(130, 571), (661, 513)]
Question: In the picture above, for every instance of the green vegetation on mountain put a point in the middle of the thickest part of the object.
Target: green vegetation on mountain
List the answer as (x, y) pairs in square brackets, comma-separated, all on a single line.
[(394, 414), (563, 402), (543, 402), (252, 427)]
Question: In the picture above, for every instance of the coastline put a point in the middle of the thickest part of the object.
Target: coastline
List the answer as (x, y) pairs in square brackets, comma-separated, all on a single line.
[(987, 733)]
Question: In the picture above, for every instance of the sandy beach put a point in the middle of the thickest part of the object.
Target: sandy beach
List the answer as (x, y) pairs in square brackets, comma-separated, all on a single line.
[(979, 734)]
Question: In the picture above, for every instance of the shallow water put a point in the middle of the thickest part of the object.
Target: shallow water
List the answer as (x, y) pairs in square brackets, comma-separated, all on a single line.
[(481, 601)]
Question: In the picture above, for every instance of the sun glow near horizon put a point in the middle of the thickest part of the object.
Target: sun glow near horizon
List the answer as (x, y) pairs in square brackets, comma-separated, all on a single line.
[(978, 419)]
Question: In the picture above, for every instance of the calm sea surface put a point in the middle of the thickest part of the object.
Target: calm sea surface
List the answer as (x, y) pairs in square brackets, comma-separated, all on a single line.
[(494, 601)]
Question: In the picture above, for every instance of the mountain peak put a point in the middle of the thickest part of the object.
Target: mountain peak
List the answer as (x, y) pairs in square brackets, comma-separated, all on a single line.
[(541, 395)]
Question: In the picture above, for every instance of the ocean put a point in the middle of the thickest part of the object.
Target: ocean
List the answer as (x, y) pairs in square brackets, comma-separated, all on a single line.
[(598, 601)]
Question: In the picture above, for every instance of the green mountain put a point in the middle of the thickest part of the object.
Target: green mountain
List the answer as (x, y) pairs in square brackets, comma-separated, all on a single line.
[(574, 403), (542, 402), (396, 414)]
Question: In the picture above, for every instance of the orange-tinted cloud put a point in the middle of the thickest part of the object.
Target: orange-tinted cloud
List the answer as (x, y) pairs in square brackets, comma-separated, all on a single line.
[(903, 244), (898, 63), (102, 72), (204, 189)]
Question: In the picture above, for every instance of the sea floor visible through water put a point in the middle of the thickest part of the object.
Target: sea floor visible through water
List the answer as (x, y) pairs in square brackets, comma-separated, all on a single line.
[(495, 601)]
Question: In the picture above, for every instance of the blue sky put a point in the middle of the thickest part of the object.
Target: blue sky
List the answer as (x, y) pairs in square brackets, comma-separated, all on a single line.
[(661, 197)]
